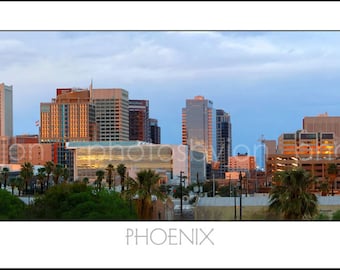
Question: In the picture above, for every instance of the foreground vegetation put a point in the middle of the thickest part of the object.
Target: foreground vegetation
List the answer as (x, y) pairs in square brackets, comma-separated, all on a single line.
[(75, 201)]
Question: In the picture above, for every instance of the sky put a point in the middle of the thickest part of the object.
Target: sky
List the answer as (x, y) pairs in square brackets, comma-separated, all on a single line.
[(266, 80)]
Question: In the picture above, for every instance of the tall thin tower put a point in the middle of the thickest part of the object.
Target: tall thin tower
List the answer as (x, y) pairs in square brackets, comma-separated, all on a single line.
[(6, 110)]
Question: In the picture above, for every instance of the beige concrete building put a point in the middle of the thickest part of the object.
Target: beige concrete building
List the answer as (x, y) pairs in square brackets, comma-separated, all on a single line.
[(111, 113), (6, 110), (24, 148), (199, 126), (307, 144), (242, 162), (324, 123)]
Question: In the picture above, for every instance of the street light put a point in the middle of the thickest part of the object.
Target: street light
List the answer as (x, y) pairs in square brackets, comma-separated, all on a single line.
[(234, 193), (181, 188)]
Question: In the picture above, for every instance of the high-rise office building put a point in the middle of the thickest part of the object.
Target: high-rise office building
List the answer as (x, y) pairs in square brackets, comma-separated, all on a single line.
[(6, 110), (69, 117), (223, 141), (139, 120), (324, 123), (112, 113), (155, 131), (199, 126)]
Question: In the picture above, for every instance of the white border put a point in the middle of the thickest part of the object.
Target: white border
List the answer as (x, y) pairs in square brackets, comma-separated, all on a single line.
[(168, 15), (230, 244), (102, 244)]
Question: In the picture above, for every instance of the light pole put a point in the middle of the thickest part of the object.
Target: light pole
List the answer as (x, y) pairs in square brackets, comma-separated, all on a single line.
[(240, 178), (181, 188), (234, 193)]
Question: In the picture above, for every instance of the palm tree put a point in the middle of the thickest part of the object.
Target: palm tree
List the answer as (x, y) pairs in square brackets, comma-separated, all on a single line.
[(26, 173), (324, 188), (57, 172), (291, 197), (12, 182), (86, 180), (145, 187), (19, 182), (332, 171), (5, 173), (110, 169), (41, 177), (121, 169), (65, 174), (49, 165), (100, 176)]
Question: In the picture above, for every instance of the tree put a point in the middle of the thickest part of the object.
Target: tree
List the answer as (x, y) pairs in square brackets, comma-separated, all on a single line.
[(41, 177), (324, 188), (225, 191), (336, 215), (65, 174), (208, 187), (86, 180), (78, 201), (145, 187), (332, 171), (121, 169), (12, 182), (26, 173), (290, 196), (19, 182), (57, 172), (49, 165), (12, 208), (110, 169), (5, 173), (100, 176)]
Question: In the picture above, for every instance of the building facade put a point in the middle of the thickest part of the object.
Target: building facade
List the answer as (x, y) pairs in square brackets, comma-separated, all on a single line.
[(307, 144), (324, 123), (155, 131), (139, 127), (242, 162), (167, 160), (69, 117), (199, 126), (111, 113), (223, 141), (6, 110)]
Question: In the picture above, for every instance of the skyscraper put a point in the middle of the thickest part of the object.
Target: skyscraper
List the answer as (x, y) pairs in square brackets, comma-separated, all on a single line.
[(199, 126), (112, 113), (324, 123), (69, 117), (139, 120), (223, 141), (6, 110), (155, 131)]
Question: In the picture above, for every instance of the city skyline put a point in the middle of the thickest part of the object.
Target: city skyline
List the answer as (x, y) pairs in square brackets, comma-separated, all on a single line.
[(266, 80)]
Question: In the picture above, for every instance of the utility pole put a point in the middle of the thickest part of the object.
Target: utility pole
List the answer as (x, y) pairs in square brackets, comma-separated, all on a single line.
[(234, 193), (180, 183), (240, 177), (213, 193)]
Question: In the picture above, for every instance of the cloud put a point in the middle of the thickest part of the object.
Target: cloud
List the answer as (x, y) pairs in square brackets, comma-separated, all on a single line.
[(245, 73)]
